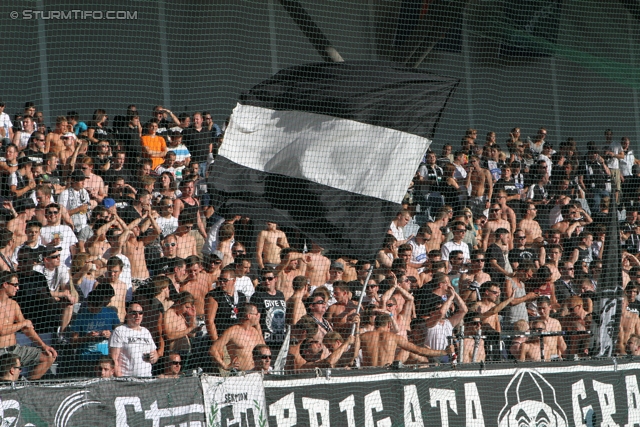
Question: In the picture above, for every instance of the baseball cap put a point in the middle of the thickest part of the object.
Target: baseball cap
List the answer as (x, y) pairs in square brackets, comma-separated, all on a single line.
[(218, 254), (22, 161), (68, 135), (108, 202), (337, 266)]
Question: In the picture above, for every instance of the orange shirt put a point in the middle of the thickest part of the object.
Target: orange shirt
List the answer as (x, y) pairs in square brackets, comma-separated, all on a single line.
[(155, 143)]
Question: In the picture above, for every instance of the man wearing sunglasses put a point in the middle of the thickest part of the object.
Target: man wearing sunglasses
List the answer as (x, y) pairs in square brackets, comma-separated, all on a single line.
[(239, 340), (13, 321), (272, 307), (132, 347), (56, 234), (173, 366), (262, 359), (472, 325)]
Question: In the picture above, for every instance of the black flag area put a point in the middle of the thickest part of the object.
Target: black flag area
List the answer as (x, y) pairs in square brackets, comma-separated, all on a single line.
[(329, 150), (608, 303)]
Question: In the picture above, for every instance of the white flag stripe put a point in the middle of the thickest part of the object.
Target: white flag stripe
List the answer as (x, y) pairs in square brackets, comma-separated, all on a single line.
[(344, 154)]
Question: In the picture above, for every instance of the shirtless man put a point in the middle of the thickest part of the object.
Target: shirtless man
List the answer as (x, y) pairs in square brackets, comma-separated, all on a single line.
[(379, 346), (25, 209), (293, 264), (507, 213), (405, 252), (516, 343), (349, 273), (239, 340), (481, 186), (629, 325), (12, 321), (43, 198), (339, 313), (134, 246), (530, 349), (186, 242), (68, 149), (472, 324), (317, 266), (530, 226), (212, 266), (554, 347), (577, 320), (122, 294), (437, 238), (573, 220), (179, 322), (53, 142), (554, 254), (495, 221), (295, 305), (196, 283), (312, 350), (471, 281), (269, 244), (489, 307)]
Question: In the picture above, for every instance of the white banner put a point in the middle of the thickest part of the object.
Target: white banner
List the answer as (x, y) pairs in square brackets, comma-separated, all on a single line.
[(235, 401)]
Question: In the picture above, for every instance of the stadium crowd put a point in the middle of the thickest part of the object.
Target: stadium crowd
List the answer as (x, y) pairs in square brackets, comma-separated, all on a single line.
[(115, 263)]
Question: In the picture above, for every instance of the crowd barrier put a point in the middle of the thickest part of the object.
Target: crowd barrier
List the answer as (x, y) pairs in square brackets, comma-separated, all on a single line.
[(600, 393)]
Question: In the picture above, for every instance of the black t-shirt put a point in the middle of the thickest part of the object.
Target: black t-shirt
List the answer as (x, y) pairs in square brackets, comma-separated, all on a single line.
[(130, 143), (494, 252), (198, 143), (272, 316), (508, 186), (37, 157), (517, 255), (36, 303), (109, 177), (229, 309)]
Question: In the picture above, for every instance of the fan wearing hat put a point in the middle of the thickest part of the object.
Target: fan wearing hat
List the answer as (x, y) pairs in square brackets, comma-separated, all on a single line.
[(76, 201), (21, 182)]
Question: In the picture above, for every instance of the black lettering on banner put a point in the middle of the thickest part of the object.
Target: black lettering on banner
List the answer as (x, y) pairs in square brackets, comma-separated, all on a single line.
[(246, 418)]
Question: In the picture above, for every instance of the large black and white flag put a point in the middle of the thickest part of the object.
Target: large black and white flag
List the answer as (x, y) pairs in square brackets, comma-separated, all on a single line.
[(329, 150)]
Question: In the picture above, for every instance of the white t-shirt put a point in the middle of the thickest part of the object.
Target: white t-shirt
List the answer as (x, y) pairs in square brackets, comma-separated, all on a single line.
[(72, 199), (627, 163), (133, 345), (244, 285), (615, 148), (448, 247), (5, 122), (211, 244), (167, 225), (418, 252), (67, 239), (436, 337), (56, 277), (398, 232)]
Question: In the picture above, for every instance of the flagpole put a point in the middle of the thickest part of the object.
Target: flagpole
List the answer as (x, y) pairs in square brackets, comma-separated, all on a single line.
[(364, 290), (310, 29)]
